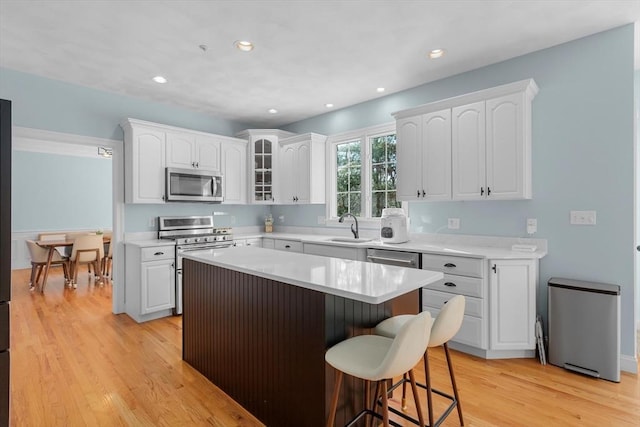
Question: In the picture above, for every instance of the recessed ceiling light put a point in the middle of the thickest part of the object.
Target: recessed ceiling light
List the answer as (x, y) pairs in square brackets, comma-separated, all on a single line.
[(328, 105), (380, 90), (159, 79), (436, 53), (272, 110), (244, 45)]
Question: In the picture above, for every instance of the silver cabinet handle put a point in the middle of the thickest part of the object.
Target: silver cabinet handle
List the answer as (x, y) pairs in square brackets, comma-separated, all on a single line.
[(402, 261)]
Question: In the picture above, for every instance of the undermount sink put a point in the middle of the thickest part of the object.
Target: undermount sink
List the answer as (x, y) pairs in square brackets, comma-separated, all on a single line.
[(349, 240)]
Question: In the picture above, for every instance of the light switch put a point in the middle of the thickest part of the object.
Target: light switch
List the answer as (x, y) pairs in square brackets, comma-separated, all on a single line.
[(583, 217)]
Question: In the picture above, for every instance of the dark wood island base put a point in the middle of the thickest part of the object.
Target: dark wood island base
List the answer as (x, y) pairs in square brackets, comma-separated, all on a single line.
[(263, 342)]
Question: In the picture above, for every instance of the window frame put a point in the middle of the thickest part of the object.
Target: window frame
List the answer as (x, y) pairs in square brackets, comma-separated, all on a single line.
[(364, 135)]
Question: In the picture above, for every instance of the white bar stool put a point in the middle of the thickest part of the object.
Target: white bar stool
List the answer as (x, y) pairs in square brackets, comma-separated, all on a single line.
[(445, 327), (377, 358)]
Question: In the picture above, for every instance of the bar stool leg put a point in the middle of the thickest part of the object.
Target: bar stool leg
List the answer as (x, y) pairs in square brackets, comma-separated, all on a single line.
[(414, 390), (427, 380), (385, 405), (453, 383), (404, 392), (334, 399)]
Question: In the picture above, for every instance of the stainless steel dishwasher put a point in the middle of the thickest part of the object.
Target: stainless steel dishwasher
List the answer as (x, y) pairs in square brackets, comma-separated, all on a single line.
[(392, 257)]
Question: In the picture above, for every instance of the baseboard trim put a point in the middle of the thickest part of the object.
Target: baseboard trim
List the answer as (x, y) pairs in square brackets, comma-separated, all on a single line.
[(629, 364)]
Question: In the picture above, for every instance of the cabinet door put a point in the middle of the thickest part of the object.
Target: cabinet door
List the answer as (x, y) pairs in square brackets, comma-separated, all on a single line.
[(436, 155), (512, 304), (158, 286), (264, 173), (468, 146), (409, 158), (302, 173), (234, 171), (207, 153), (148, 166), (505, 147), (288, 175), (180, 150)]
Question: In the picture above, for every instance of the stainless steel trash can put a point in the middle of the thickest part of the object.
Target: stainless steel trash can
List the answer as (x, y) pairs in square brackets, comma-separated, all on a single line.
[(584, 327)]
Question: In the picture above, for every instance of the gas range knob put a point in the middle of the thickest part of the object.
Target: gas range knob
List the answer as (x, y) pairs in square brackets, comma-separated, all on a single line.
[(196, 240)]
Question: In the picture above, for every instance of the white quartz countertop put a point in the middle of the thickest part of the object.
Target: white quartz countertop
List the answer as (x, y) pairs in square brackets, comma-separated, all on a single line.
[(360, 281), (474, 248)]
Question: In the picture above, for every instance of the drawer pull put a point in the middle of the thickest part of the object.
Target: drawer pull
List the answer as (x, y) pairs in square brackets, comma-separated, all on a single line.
[(287, 246), (159, 253), (449, 265), (450, 284)]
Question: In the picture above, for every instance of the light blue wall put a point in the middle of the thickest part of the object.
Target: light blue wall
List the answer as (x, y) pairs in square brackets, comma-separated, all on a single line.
[(582, 159), (55, 192), (42, 103)]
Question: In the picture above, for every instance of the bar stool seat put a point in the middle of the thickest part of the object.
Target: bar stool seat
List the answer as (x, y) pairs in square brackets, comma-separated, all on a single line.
[(377, 358), (444, 328)]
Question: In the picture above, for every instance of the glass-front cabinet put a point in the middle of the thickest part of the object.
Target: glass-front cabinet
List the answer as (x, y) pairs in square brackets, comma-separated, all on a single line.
[(263, 161), (263, 170)]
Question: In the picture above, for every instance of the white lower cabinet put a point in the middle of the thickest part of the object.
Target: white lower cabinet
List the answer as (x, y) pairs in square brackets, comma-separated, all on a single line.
[(150, 281), (512, 297), (287, 245), (463, 276), (500, 309)]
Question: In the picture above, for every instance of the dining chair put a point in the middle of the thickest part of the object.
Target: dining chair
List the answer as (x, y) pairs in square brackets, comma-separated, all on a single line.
[(87, 249), (107, 261), (39, 257)]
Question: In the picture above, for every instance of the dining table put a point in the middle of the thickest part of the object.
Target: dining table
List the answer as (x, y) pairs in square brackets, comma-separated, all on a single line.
[(52, 246)]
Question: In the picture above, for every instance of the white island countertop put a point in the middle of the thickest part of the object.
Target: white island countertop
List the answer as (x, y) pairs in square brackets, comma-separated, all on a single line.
[(359, 281)]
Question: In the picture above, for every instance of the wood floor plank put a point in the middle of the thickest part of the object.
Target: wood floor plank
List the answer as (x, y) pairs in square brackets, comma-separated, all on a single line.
[(74, 363)]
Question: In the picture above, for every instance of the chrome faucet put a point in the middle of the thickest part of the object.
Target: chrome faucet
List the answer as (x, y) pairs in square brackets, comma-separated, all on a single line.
[(355, 231)]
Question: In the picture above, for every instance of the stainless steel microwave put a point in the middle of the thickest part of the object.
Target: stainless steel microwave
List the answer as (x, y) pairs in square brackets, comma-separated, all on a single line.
[(193, 185)]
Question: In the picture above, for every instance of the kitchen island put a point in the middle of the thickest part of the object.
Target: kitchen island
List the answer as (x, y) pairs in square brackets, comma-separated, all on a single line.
[(257, 323)]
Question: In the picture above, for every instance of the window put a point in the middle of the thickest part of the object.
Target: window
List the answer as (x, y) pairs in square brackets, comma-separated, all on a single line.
[(363, 175)]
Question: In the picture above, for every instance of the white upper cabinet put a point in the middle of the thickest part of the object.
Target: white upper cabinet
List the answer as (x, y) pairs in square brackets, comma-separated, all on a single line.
[(192, 151), (424, 156), (263, 167), (152, 147), (234, 172), (509, 147), (468, 146), (144, 163), (471, 147), (302, 169)]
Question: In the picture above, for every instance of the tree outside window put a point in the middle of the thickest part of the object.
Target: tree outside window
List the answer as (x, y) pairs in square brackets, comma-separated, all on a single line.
[(348, 179), (383, 174)]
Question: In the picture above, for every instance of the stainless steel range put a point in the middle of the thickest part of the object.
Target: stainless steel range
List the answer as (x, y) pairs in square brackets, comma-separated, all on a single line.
[(192, 233)]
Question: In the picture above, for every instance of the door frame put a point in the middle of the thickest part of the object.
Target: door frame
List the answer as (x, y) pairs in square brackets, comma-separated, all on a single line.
[(38, 139)]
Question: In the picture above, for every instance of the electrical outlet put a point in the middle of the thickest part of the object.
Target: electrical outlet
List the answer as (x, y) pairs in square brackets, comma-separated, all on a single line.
[(453, 223), (532, 225), (281, 218), (583, 217), (152, 221)]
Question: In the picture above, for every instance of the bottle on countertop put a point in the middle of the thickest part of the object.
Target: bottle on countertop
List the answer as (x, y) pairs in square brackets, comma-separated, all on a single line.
[(268, 224)]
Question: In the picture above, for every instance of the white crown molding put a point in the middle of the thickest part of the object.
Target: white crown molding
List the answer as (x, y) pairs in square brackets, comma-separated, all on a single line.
[(44, 141)]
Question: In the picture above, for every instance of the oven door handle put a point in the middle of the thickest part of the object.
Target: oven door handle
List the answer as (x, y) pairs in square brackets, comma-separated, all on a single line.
[(201, 248)]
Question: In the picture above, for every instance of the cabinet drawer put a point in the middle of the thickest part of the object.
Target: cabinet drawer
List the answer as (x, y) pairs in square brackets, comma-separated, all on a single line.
[(333, 251), (460, 285), (158, 252), (254, 242), (268, 243), (288, 245), (472, 331), (464, 266), (436, 299)]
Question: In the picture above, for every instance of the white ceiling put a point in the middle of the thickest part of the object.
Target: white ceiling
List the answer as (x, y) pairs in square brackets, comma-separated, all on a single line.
[(307, 54)]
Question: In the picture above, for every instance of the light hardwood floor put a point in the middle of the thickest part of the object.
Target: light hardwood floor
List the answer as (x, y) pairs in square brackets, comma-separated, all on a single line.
[(74, 363)]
